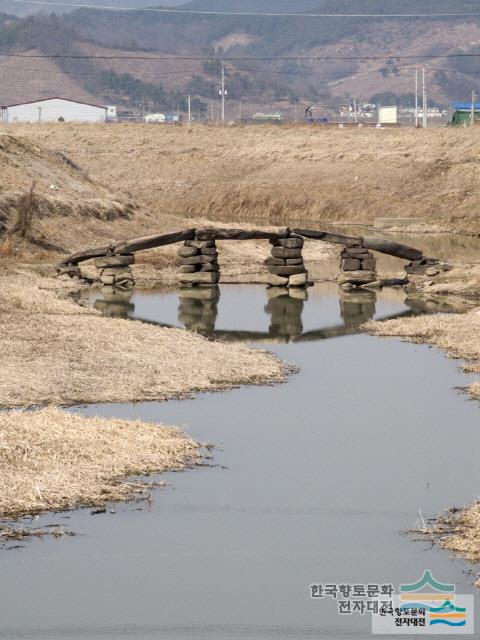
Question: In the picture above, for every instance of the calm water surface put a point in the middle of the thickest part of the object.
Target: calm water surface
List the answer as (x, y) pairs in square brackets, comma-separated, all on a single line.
[(314, 480)]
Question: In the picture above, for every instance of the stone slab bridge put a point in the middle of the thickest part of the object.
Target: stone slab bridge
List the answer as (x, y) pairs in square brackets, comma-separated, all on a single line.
[(199, 256)]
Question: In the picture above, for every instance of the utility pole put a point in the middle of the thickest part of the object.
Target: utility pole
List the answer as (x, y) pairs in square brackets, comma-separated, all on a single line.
[(416, 98), (355, 110), (472, 113), (223, 94), (425, 100), (189, 109)]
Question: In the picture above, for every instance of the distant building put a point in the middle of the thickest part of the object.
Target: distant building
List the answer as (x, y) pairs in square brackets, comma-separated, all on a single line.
[(270, 116), (462, 114), (53, 110), (155, 118), (111, 113), (387, 115), (163, 118), (173, 118)]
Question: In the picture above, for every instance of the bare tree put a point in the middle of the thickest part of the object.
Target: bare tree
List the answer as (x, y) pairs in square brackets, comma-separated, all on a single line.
[(25, 211)]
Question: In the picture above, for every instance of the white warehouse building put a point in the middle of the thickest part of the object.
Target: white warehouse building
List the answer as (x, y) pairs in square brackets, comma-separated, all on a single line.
[(53, 110)]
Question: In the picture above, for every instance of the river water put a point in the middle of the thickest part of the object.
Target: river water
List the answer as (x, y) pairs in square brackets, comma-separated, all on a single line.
[(313, 483)]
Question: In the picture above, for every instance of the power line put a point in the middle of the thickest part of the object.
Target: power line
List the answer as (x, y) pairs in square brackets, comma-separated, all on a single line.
[(249, 13), (240, 58), (93, 73), (474, 72), (187, 72), (341, 74)]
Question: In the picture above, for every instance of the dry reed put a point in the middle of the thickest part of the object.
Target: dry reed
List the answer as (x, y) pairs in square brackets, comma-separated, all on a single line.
[(6, 247), (26, 208), (51, 459), (457, 530)]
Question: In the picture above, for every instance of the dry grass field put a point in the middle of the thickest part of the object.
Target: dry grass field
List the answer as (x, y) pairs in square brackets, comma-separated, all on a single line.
[(97, 183), (279, 174)]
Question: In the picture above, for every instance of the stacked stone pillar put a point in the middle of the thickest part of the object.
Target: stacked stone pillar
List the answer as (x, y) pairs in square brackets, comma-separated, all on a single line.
[(115, 271), (286, 262), (357, 266), (199, 263)]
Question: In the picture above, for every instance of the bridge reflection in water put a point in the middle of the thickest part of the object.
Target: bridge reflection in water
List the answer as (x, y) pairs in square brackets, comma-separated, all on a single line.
[(198, 311)]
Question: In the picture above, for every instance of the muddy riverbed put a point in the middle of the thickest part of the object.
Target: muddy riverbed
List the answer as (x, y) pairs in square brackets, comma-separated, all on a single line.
[(313, 481)]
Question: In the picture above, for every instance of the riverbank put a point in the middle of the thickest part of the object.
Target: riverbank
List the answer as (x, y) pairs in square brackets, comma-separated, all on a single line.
[(55, 352), (278, 174), (457, 530), (106, 354), (455, 333), (53, 460)]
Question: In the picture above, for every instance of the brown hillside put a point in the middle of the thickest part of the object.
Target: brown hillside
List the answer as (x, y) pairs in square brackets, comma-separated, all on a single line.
[(367, 77), (328, 82), (36, 78)]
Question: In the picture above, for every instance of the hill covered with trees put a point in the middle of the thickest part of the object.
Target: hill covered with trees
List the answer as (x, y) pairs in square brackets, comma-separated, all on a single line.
[(156, 57)]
